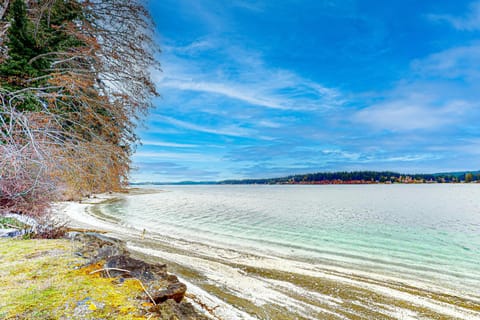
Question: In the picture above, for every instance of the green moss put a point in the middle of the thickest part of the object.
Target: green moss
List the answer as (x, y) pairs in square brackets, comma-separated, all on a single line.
[(6, 223)]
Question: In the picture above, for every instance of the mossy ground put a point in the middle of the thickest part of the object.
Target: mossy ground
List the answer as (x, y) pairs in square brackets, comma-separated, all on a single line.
[(11, 223), (43, 279)]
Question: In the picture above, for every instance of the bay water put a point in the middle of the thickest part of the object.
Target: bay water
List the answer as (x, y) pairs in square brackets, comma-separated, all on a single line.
[(423, 236)]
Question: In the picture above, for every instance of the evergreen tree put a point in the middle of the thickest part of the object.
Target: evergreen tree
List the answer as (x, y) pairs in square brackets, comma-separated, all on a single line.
[(22, 48)]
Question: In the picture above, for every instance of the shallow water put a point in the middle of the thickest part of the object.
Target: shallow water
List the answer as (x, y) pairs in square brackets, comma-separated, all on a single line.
[(426, 237)]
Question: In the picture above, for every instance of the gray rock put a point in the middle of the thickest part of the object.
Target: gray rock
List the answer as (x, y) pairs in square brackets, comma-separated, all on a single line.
[(169, 310), (137, 269), (175, 291), (166, 290), (10, 233), (96, 247), (23, 219)]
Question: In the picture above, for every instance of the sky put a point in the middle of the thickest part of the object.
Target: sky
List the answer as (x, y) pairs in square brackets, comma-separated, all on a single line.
[(254, 89)]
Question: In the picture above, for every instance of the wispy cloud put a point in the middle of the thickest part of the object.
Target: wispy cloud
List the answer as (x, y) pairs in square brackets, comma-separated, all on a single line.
[(470, 21), (168, 144), (228, 91), (440, 92), (286, 92), (411, 113), (247, 79), (261, 88), (142, 156), (170, 171), (458, 62), (227, 131)]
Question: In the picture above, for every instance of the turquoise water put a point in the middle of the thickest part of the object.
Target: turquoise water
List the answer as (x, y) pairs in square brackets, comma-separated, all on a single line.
[(424, 233)]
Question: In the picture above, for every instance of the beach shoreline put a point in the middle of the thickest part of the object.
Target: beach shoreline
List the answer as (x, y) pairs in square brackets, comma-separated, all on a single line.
[(77, 215), (246, 285)]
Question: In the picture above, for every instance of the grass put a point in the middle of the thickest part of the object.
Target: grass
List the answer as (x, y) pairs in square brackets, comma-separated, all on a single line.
[(42, 279), (6, 223)]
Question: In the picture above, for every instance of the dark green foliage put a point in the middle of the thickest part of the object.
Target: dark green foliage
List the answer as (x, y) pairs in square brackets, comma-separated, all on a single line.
[(53, 34), (32, 48), (359, 176), (22, 47)]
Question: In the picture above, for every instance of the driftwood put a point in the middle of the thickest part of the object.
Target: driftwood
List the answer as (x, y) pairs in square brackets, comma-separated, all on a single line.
[(83, 230), (108, 269)]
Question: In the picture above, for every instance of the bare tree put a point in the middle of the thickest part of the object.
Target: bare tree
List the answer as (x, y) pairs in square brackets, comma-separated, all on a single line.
[(78, 131)]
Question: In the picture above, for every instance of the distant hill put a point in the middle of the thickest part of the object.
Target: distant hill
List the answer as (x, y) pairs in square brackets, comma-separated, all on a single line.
[(457, 174), (362, 177), (342, 177), (172, 183)]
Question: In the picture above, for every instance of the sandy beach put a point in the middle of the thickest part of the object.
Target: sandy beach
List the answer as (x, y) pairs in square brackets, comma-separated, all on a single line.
[(247, 284)]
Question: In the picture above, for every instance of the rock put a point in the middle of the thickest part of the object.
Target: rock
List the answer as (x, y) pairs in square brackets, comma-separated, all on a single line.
[(86, 307), (10, 233), (138, 269), (159, 283), (170, 310), (96, 247), (175, 291), (23, 219), (165, 289)]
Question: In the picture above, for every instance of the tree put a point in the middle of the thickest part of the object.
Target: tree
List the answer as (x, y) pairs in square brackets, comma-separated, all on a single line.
[(74, 82), (468, 177)]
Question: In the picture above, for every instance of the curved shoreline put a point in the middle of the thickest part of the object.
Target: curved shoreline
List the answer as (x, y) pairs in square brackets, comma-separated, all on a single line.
[(79, 215), (254, 285)]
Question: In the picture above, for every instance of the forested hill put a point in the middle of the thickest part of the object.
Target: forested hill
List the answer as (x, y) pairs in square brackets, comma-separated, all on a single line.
[(344, 177), (363, 177)]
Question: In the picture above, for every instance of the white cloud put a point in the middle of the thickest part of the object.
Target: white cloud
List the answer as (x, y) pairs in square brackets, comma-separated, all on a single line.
[(469, 22), (441, 91), (282, 94), (269, 124), (189, 157), (415, 112), (457, 62), (167, 144), (238, 93), (407, 158), (231, 130), (240, 74), (191, 48)]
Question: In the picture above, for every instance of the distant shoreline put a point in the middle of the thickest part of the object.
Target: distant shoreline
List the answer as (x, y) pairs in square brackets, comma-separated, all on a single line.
[(342, 177)]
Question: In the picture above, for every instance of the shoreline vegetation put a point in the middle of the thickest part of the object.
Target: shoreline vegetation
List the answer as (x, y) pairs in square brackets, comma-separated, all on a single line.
[(344, 177), (86, 277), (85, 274), (301, 291), (75, 81), (233, 284)]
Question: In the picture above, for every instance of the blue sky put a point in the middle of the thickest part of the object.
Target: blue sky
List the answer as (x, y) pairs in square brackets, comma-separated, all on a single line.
[(272, 88)]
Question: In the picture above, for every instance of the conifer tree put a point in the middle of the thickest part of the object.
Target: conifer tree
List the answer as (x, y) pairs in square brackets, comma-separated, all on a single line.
[(73, 83), (21, 48)]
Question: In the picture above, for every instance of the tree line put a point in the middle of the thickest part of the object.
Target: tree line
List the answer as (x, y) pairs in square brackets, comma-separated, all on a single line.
[(74, 83), (363, 177)]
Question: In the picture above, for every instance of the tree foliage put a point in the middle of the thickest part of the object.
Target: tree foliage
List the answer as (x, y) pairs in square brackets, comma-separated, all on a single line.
[(359, 177), (74, 82)]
